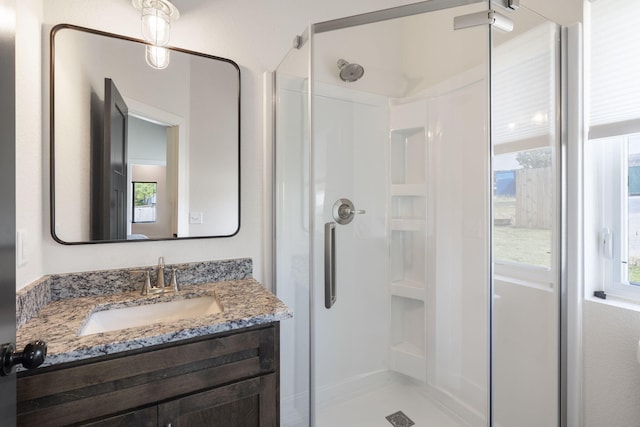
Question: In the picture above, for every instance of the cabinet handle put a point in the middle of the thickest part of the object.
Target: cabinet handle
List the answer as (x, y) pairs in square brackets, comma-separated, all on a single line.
[(32, 356)]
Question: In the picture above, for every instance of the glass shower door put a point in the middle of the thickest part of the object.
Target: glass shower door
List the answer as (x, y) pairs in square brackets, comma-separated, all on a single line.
[(400, 291), (421, 259), (526, 227), (292, 237)]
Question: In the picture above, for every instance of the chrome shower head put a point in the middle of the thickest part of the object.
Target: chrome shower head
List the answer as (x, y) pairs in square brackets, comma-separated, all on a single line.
[(349, 72)]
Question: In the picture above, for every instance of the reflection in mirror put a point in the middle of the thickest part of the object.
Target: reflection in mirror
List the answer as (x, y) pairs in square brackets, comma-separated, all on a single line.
[(117, 124), (145, 197)]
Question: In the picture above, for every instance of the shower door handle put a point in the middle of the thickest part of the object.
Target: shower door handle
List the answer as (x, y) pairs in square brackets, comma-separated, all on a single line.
[(329, 264)]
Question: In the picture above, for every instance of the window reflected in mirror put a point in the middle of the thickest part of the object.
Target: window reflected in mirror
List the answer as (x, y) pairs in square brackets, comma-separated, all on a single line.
[(145, 195)]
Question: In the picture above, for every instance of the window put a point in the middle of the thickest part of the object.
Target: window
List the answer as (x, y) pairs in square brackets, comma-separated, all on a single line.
[(144, 201), (633, 210), (617, 162), (612, 152)]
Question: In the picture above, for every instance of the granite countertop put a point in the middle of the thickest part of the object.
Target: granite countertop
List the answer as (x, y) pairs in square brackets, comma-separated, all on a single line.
[(245, 303)]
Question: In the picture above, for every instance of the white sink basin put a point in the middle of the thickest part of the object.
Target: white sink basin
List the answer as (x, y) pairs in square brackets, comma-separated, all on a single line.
[(141, 315)]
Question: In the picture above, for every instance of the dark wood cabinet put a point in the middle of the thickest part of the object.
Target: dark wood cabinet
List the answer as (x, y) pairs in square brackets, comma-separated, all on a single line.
[(147, 417), (228, 379), (245, 403)]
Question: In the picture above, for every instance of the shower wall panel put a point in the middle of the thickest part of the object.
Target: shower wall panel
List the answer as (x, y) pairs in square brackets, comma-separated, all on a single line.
[(350, 161), (458, 254)]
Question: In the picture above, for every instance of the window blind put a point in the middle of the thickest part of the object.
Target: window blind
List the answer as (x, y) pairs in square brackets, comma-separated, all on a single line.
[(614, 65), (524, 70)]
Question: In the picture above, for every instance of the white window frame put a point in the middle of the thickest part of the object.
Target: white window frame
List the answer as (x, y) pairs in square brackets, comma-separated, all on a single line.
[(612, 193)]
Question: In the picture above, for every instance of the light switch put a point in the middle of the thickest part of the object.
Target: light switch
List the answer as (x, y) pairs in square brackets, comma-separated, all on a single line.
[(21, 250), (196, 218)]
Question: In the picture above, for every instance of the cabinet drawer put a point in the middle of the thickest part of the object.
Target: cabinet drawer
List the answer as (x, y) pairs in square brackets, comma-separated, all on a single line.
[(82, 391)]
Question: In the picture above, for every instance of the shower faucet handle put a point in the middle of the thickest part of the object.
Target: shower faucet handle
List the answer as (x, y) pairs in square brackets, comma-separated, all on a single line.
[(350, 211), (344, 211)]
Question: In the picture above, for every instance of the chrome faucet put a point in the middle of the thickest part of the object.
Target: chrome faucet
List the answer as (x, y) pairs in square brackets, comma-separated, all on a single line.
[(160, 283), (146, 288), (160, 286), (174, 280)]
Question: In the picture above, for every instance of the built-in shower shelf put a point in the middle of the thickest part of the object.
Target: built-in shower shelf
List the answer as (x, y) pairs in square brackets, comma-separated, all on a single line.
[(409, 359), (408, 224), (408, 217), (409, 289), (409, 349), (409, 190)]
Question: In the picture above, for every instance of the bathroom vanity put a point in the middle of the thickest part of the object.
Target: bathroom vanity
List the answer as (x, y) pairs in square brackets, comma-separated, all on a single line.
[(218, 368), (226, 379)]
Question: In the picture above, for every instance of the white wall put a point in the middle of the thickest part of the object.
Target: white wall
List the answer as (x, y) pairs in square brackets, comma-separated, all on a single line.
[(30, 158), (563, 12), (611, 370)]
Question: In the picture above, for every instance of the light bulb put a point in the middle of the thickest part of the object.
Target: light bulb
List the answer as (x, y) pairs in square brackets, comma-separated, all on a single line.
[(156, 26), (157, 57)]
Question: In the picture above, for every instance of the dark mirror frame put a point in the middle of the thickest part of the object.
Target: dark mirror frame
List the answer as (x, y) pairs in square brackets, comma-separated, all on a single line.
[(52, 113)]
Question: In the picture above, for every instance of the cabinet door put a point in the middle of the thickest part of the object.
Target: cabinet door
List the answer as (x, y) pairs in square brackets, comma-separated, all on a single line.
[(66, 395), (249, 403), (147, 417)]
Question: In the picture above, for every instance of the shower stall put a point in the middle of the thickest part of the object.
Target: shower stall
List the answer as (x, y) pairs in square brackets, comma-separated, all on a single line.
[(417, 197)]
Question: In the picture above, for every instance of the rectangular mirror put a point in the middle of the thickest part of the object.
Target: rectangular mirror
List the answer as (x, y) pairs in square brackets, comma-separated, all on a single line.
[(116, 120)]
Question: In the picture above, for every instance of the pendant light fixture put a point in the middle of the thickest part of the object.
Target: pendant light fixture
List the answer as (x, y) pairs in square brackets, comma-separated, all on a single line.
[(156, 19), (157, 57)]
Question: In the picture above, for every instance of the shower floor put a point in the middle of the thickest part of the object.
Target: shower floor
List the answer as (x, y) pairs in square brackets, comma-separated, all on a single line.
[(371, 409)]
